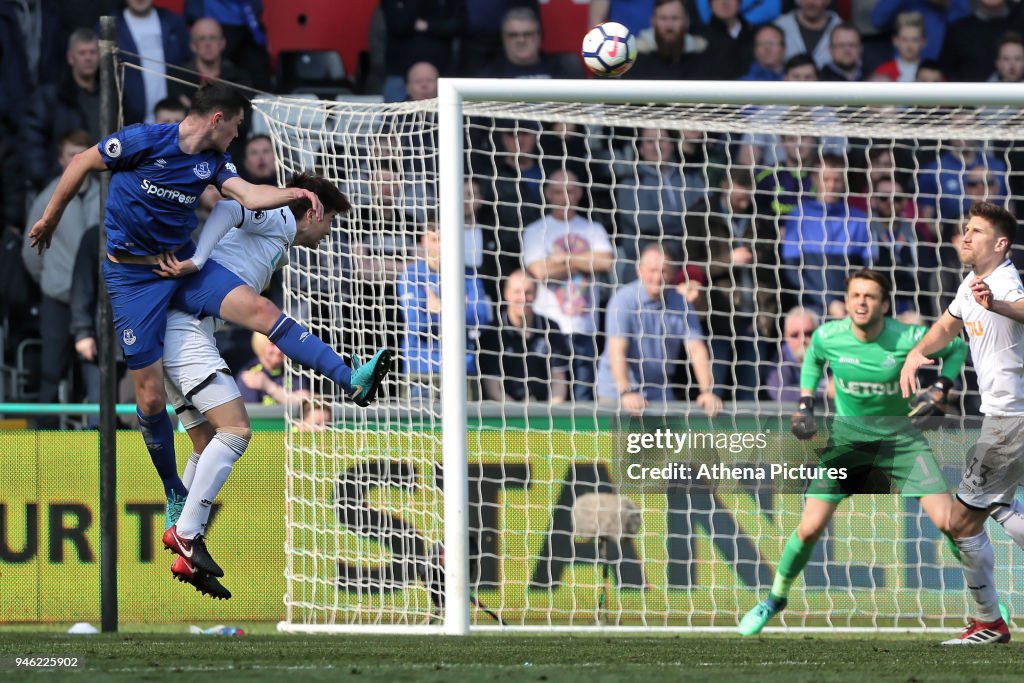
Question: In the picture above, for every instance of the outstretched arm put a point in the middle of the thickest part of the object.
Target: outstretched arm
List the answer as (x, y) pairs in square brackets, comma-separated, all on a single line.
[(70, 183), (256, 197)]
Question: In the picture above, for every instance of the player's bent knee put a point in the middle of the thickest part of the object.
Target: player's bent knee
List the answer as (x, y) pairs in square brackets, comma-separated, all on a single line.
[(266, 313), (242, 432), (809, 532), (238, 443), (201, 434), (964, 528), (965, 522), (150, 395), (150, 403)]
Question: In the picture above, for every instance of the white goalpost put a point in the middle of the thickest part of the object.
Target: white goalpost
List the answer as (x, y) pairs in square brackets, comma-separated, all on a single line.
[(471, 498)]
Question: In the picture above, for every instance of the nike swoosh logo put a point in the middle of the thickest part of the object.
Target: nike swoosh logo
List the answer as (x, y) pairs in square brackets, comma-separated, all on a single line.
[(615, 48), (187, 554)]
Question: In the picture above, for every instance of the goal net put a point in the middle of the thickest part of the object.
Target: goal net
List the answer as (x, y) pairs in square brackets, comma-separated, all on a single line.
[(504, 235)]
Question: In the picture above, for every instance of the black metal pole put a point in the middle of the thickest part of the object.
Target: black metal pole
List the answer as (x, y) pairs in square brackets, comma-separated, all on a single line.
[(105, 350)]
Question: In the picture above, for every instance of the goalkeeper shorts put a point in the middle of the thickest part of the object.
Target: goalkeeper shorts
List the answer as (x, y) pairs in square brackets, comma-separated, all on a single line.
[(904, 464)]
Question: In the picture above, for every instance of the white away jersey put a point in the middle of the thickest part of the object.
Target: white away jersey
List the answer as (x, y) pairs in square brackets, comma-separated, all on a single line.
[(252, 250), (258, 245), (997, 342)]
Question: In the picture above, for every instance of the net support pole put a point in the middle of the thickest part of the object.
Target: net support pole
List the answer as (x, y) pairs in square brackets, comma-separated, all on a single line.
[(453, 361), (105, 348)]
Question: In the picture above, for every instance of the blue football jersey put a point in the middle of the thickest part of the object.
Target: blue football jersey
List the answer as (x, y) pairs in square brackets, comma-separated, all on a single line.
[(155, 187)]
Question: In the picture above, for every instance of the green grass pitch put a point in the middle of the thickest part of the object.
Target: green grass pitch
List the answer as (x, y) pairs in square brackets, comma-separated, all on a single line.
[(262, 655)]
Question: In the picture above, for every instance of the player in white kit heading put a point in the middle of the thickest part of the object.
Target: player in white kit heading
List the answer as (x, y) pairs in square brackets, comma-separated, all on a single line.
[(989, 304), (252, 245)]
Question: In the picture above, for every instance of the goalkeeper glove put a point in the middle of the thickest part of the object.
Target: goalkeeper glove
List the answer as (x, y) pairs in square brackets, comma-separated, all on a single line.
[(802, 421), (930, 403)]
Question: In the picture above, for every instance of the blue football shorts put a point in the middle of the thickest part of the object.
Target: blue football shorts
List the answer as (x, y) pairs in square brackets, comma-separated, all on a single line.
[(140, 299)]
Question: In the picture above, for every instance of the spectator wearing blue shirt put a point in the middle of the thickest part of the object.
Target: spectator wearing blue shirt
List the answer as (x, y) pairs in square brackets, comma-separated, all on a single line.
[(633, 14), (647, 324), (769, 54), (419, 295), (942, 183), (822, 239), (755, 12)]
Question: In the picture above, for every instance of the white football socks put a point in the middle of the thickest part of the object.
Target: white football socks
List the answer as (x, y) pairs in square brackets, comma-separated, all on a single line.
[(211, 472), (190, 470), (978, 563), (1012, 518)]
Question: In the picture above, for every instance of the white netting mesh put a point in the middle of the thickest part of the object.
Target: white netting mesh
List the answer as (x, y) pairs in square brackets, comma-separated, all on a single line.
[(737, 193)]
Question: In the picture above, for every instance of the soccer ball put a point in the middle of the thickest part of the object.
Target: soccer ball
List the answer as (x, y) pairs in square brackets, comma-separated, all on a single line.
[(609, 49)]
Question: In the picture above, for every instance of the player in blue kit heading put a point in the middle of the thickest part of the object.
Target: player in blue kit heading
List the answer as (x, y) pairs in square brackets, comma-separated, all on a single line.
[(158, 174)]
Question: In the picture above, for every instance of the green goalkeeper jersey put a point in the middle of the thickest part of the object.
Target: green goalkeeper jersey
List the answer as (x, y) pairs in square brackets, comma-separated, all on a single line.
[(867, 374)]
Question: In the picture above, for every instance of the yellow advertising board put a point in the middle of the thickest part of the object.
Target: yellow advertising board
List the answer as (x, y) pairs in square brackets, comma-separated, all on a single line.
[(365, 522), (50, 536)]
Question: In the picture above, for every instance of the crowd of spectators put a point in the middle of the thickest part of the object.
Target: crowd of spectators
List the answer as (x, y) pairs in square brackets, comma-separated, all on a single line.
[(749, 225), (622, 265)]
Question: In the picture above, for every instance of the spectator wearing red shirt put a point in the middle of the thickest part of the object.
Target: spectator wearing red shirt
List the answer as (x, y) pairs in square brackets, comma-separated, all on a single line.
[(909, 39)]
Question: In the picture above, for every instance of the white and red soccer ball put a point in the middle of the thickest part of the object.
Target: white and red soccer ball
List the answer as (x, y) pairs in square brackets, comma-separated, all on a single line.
[(609, 49)]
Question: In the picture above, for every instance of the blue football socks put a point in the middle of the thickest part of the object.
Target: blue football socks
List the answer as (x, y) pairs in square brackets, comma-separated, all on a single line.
[(158, 434), (305, 348)]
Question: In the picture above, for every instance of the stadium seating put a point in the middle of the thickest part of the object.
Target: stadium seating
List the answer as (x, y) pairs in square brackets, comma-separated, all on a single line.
[(320, 72)]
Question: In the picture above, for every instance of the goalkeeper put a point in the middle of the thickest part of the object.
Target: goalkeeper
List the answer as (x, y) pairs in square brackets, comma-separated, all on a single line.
[(871, 435)]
